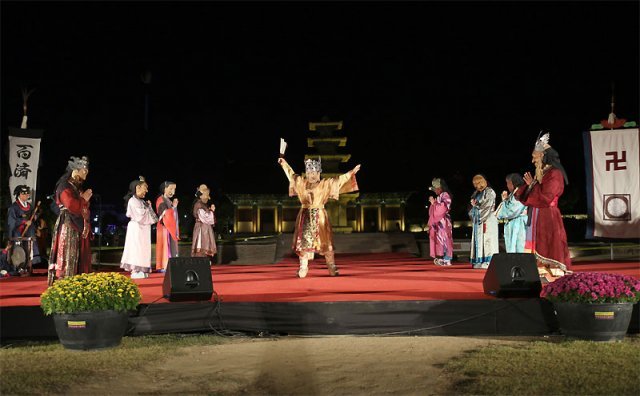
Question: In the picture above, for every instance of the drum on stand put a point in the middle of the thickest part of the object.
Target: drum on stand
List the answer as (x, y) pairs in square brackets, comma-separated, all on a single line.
[(20, 251)]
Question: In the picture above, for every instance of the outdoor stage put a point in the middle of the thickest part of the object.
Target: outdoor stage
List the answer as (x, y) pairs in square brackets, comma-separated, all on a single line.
[(376, 293)]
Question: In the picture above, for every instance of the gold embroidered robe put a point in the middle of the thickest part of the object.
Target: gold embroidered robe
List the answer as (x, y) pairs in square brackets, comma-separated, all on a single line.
[(313, 233)]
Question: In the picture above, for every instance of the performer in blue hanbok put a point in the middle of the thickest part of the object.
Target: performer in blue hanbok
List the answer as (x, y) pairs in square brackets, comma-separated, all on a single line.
[(514, 214), (484, 239)]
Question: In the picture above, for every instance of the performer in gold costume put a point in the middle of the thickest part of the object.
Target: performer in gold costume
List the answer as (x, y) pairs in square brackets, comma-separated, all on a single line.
[(313, 232)]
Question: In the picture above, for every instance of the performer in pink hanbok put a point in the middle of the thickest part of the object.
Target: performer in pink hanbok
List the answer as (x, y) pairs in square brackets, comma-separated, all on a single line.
[(136, 256), (313, 232), (440, 228), (204, 240)]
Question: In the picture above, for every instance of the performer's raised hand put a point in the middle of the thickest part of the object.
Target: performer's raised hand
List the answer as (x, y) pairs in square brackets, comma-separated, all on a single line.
[(528, 178), (356, 169), (213, 207), (175, 202), (505, 195), (86, 195), (431, 200), (281, 161)]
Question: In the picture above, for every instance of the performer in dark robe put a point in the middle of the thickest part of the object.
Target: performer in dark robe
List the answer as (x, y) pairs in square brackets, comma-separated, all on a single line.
[(167, 231), (20, 225), (204, 240), (70, 246), (546, 236)]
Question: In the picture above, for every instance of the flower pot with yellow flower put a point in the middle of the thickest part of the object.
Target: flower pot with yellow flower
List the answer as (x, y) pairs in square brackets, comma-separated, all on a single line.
[(91, 311), (593, 306)]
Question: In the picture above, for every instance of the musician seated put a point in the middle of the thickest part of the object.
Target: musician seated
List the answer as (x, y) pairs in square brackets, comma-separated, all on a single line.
[(22, 219), (6, 269)]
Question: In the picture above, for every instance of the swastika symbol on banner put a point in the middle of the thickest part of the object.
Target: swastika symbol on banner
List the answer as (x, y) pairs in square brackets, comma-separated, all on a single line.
[(615, 160)]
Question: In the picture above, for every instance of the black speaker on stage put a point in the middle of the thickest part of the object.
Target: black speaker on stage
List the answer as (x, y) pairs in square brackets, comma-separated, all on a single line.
[(512, 275), (188, 279)]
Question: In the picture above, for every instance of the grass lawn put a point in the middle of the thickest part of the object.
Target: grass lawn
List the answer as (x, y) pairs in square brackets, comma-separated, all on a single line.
[(47, 367), (549, 368), (526, 368)]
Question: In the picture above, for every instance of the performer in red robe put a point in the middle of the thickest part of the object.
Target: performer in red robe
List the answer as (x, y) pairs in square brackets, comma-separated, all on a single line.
[(70, 247), (167, 232), (546, 236)]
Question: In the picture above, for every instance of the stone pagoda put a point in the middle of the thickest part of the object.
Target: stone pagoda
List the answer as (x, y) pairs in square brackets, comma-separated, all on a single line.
[(325, 140)]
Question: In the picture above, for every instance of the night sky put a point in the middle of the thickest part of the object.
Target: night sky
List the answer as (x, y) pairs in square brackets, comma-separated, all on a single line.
[(409, 80)]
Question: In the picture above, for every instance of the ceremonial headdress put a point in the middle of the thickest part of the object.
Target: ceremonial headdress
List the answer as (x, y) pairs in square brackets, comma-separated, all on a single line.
[(78, 163), (22, 188), (313, 165), (542, 143)]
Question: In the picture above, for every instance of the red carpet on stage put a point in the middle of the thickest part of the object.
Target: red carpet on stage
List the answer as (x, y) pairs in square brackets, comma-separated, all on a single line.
[(363, 277)]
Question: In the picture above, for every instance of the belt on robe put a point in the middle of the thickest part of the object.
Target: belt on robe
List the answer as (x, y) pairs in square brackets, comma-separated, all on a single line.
[(312, 206)]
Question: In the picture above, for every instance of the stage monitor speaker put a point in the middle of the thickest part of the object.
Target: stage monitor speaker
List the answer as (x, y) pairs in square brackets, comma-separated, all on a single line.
[(188, 279), (512, 275)]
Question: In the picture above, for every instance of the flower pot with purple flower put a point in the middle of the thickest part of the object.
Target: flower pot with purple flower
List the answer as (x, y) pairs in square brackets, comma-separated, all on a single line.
[(592, 305)]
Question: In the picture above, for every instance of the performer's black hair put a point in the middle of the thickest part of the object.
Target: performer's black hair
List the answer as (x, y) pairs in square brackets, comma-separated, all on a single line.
[(132, 189), (551, 157), (516, 179), (19, 188), (164, 185), (63, 179)]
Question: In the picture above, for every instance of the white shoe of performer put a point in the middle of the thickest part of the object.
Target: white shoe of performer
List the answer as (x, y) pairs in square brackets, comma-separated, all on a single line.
[(304, 268), (137, 275)]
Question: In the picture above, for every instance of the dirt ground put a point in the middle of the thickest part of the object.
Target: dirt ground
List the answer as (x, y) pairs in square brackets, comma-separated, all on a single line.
[(336, 365)]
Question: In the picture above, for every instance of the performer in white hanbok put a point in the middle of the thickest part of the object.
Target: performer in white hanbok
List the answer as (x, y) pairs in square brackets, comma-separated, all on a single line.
[(136, 257), (204, 241), (484, 240), (514, 214)]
